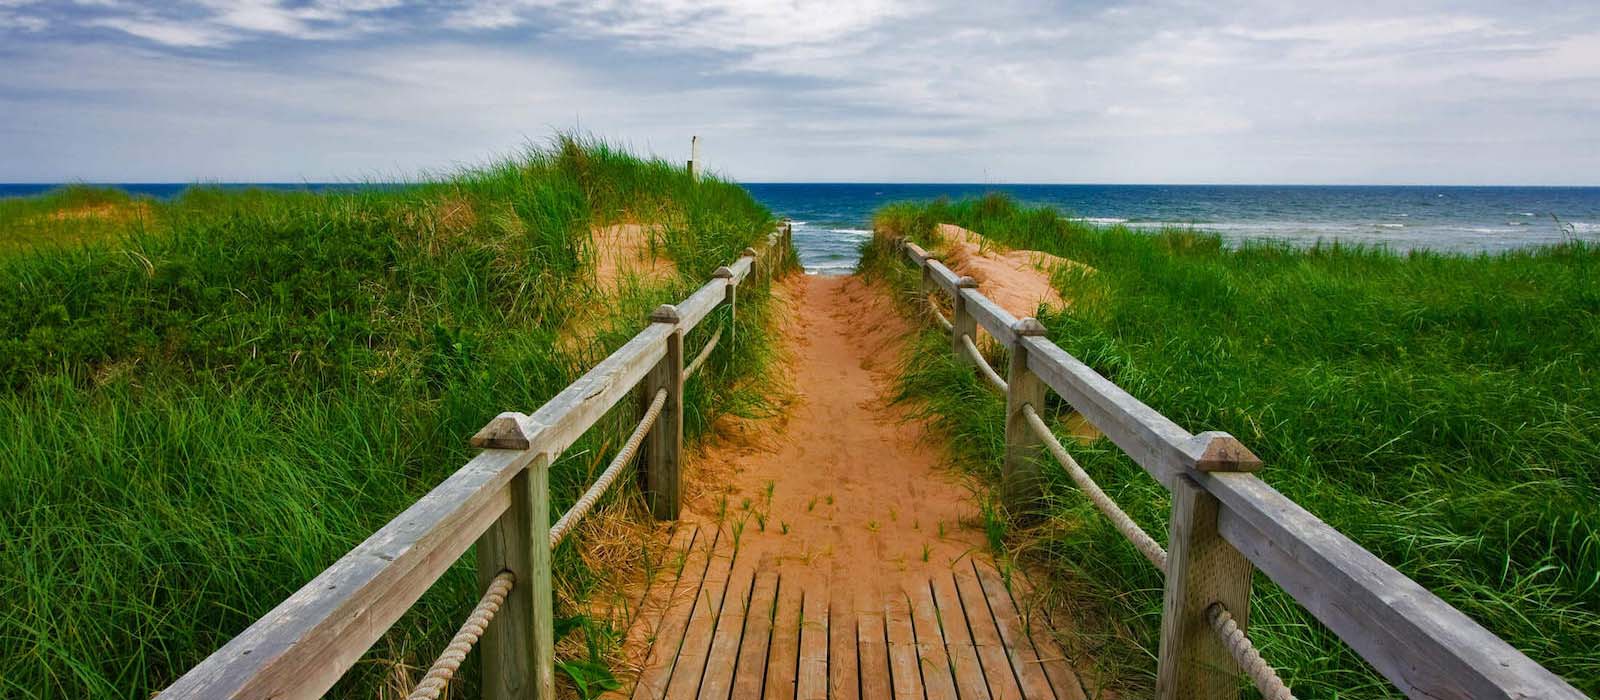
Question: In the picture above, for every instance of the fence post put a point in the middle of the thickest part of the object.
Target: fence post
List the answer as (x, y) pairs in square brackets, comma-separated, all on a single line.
[(961, 321), (1021, 483), (662, 447), (1202, 569), (518, 647)]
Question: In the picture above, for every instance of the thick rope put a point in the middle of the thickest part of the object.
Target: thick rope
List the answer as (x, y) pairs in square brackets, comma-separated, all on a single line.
[(625, 455), (439, 675), (983, 365), (1146, 545), (1245, 654), (938, 317), (705, 353)]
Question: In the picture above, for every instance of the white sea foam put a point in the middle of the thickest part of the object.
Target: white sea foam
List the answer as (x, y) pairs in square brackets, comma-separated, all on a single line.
[(1391, 225), (1099, 219), (864, 233)]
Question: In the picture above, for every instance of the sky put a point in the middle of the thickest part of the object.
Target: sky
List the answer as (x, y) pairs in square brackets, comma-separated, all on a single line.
[(837, 90)]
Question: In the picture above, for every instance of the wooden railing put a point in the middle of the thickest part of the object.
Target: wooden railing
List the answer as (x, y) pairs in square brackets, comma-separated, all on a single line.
[(1226, 523), (499, 504)]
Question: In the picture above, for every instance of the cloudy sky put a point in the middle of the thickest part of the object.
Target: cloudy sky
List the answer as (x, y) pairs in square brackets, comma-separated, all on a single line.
[(848, 90)]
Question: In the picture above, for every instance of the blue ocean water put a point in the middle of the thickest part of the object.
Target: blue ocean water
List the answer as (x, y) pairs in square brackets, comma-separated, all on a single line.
[(832, 219)]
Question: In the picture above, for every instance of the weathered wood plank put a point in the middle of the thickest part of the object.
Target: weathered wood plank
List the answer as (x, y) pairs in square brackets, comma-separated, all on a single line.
[(751, 673), (1427, 648), (662, 660), (1022, 483), (703, 618), (648, 615), (958, 640), (1024, 659), (569, 414), (993, 319), (914, 252), (783, 656), (812, 681), (1159, 445), (942, 276), (938, 676), (1036, 625), (1201, 569), (724, 656), (661, 459), (518, 650), (694, 308), (992, 655), (308, 641), (872, 643), (844, 682), (904, 671)]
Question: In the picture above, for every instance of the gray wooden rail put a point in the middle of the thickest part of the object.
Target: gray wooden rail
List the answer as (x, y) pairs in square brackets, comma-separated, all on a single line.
[(1227, 523), (497, 503)]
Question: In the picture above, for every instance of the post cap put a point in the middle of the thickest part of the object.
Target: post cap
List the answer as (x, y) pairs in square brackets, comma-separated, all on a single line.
[(665, 313), (723, 272), (966, 282), (1216, 451), (508, 431), (748, 253), (1028, 327)]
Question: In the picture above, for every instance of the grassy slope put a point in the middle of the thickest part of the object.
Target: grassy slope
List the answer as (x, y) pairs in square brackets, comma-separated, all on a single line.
[(203, 411), (1440, 410)]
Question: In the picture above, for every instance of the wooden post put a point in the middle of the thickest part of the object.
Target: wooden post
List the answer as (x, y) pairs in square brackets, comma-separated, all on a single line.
[(662, 447), (962, 322), (1202, 569), (518, 647), (1021, 481), (694, 158)]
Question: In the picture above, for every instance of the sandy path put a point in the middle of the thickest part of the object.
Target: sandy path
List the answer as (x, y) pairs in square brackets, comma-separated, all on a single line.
[(857, 496)]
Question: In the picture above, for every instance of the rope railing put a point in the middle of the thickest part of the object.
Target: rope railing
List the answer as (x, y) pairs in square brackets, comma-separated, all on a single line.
[(1244, 653), (983, 365), (938, 317), (1141, 540), (705, 354), (586, 503), (438, 676)]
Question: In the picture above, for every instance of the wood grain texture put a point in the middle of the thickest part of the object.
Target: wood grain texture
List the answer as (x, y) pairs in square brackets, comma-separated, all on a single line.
[(1202, 569), (1024, 660), (844, 680), (663, 656), (723, 658), (958, 640), (992, 656), (942, 276), (812, 681), (872, 644), (518, 648), (708, 609), (933, 657), (1021, 479), (750, 676), (662, 451), (783, 654), (1427, 648), (996, 321), (905, 669)]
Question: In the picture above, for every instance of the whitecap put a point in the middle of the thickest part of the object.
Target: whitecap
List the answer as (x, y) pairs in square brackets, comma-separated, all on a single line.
[(1391, 225), (853, 231)]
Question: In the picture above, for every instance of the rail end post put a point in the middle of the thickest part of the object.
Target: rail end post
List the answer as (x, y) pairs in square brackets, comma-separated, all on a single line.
[(966, 282), (1022, 483), (1202, 569), (1216, 451), (518, 650), (724, 273), (508, 431), (665, 313), (663, 446)]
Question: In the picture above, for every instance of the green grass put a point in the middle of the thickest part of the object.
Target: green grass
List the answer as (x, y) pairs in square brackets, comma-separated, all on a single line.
[(203, 412), (1441, 410)]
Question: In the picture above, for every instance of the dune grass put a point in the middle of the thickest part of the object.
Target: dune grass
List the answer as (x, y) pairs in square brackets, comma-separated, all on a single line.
[(205, 409), (1441, 410)]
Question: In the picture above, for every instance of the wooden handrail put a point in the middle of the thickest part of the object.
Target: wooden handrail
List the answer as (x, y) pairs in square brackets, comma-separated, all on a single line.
[(498, 501), (1424, 646)]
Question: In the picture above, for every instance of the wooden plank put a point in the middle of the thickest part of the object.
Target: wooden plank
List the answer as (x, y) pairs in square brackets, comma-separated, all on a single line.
[(872, 644), (653, 603), (992, 656), (938, 677), (1159, 445), (1419, 642), (1022, 481), (1201, 568), (698, 635), (844, 681), (904, 670), (1024, 659), (914, 252), (308, 641), (750, 673), (964, 328), (958, 640), (569, 414), (729, 635), (783, 655), (997, 321), (661, 458), (695, 307), (1057, 667), (942, 276), (812, 681), (663, 657), (518, 650), (741, 267)]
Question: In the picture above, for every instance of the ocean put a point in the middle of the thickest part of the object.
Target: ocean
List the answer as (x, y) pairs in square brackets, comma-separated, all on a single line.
[(832, 219)]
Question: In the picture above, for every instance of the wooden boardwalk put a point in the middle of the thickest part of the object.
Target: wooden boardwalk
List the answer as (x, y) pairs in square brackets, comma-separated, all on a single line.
[(718, 625)]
